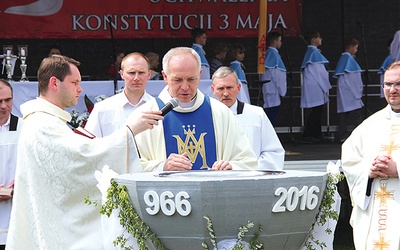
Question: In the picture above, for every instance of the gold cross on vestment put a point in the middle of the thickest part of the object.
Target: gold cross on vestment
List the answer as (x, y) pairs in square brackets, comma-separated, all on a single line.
[(381, 244), (383, 195), (389, 148)]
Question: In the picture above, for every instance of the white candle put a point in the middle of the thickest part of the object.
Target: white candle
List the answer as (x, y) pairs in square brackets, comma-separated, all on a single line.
[(8, 52), (22, 52)]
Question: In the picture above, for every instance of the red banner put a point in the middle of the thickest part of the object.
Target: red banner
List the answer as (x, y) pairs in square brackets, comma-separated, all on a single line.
[(143, 18)]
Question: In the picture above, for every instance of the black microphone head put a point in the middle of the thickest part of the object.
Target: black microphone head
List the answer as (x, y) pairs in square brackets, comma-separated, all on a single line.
[(174, 102)]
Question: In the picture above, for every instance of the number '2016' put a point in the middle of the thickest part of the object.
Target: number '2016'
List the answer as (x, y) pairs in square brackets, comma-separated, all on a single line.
[(290, 198)]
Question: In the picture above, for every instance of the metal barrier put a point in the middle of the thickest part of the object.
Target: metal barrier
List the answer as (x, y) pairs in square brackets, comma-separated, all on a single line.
[(291, 102)]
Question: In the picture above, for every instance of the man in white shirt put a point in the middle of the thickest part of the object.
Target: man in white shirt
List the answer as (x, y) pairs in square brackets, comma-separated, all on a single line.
[(255, 123), (9, 126), (111, 113)]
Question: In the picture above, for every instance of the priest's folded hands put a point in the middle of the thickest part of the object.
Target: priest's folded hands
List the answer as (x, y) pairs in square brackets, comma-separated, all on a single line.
[(383, 166)]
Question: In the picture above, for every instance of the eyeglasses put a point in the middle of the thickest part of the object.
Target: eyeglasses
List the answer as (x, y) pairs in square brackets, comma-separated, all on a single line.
[(388, 85)]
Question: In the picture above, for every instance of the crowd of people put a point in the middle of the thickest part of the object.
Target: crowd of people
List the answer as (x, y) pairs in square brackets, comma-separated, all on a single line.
[(52, 171)]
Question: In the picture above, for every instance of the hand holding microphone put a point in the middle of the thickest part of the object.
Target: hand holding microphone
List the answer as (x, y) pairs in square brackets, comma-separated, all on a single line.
[(142, 121)]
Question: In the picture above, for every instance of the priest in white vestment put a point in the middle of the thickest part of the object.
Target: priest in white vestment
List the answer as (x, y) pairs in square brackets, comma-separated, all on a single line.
[(370, 156), (201, 133), (55, 166), (255, 123)]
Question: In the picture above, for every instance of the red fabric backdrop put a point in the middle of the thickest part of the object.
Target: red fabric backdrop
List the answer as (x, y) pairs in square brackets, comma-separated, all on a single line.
[(143, 18)]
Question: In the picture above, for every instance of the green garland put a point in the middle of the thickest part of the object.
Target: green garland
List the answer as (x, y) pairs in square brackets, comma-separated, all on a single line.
[(325, 211), (118, 197)]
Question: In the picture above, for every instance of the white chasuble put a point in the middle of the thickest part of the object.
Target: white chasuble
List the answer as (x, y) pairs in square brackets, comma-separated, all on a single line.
[(55, 172), (376, 215)]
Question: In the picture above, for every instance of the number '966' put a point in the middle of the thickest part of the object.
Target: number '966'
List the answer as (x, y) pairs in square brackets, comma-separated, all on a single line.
[(168, 203)]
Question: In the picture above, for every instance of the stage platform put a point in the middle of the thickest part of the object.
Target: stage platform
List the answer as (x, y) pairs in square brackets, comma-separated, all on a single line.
[(298, 150)]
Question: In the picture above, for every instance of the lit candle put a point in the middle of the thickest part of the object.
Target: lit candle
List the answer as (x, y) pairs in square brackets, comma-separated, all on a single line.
[(22, 52), (8, 52)]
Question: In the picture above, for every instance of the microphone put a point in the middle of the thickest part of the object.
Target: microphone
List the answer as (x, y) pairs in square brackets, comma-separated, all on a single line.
[(173, 103)]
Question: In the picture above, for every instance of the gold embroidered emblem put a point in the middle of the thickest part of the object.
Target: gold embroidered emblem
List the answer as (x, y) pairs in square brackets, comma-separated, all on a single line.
[(384, 194), (389, 148), (192, 145), (382, 243)]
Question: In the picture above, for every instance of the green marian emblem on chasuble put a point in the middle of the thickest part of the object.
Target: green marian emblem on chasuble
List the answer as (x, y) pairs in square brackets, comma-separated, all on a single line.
[(192, 145)]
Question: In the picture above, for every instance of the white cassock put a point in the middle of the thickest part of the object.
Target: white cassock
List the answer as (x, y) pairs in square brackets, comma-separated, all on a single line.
[(112, 113), (272, 91), (375, 218), (349, 92), (315, 85), (55, 172), (8, 162), (349, 84), (262, 136), (275, 71), (231, 143)]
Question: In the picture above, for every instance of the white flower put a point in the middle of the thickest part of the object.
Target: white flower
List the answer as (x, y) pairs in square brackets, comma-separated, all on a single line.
[(104, 178), (334, 170)]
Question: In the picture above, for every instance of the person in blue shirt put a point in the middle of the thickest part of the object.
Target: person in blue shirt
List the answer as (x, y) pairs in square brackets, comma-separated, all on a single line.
[(275, 71), (349, 89), (199, 41), (236, 56), (315, 87)]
